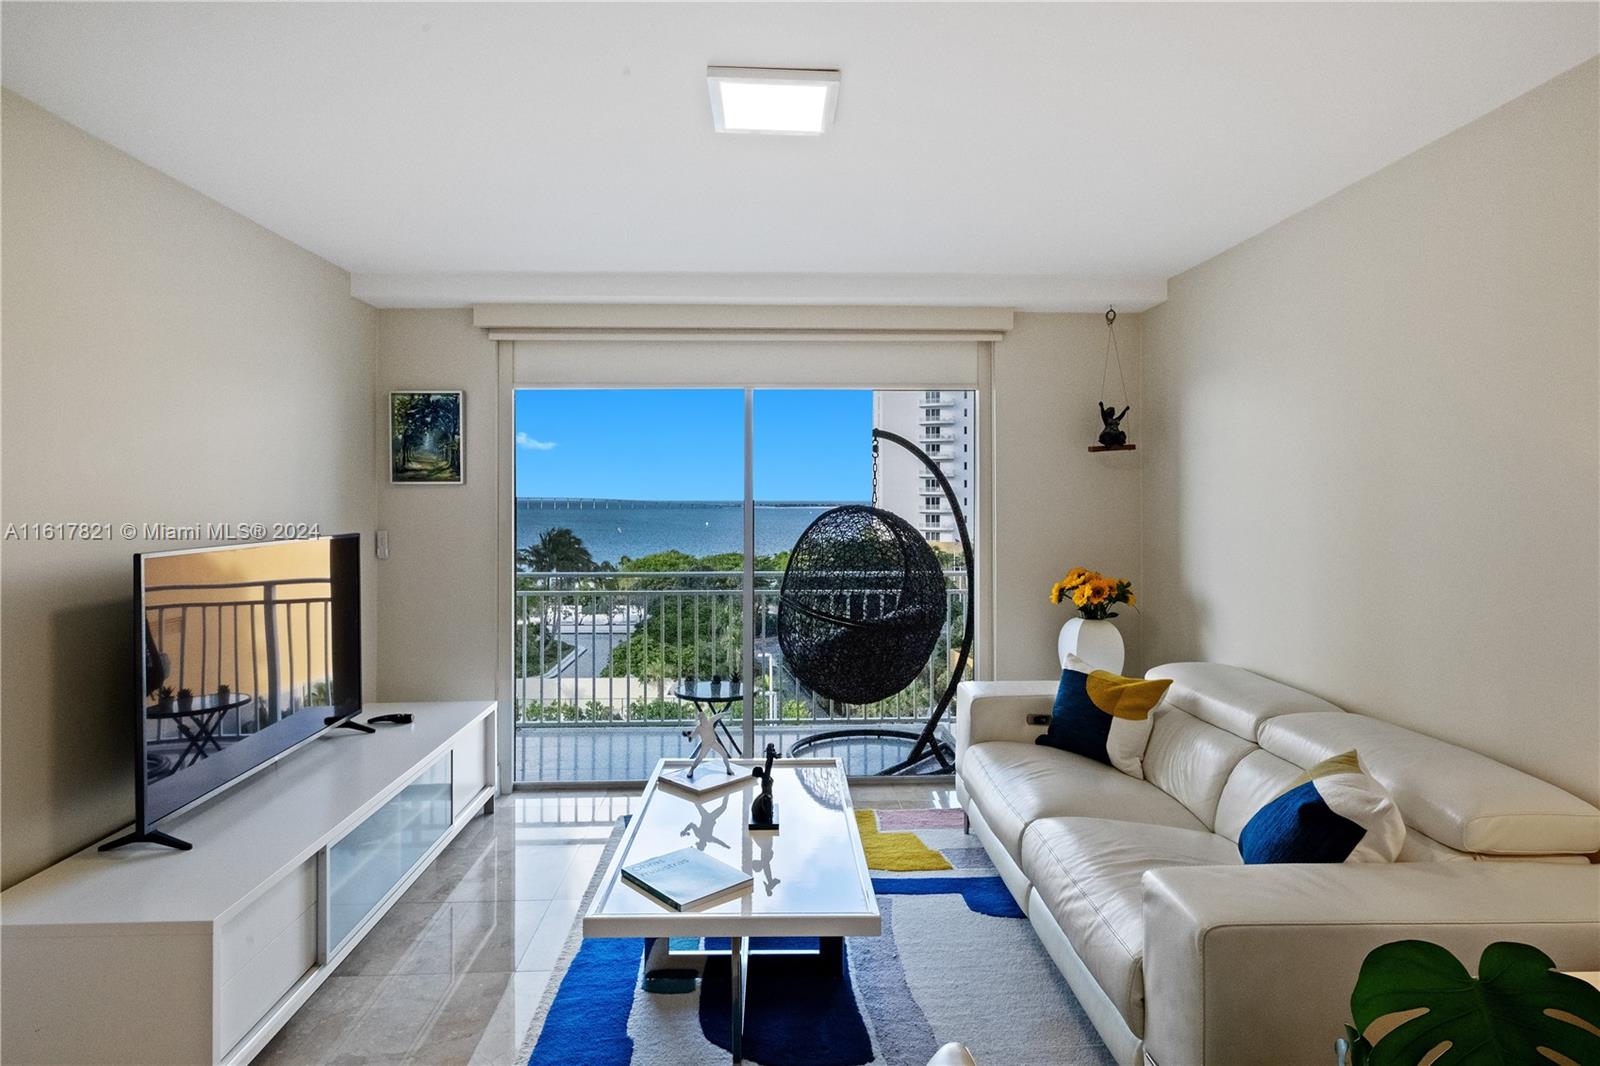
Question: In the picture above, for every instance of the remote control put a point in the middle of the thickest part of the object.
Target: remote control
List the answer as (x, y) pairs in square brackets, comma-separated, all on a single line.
[(397, 719)]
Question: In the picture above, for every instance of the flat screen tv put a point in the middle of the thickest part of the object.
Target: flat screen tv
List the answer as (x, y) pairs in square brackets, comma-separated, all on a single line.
[(243, 653)]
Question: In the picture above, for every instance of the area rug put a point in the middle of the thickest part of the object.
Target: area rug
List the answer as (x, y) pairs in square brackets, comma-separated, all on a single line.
[(957, 960)]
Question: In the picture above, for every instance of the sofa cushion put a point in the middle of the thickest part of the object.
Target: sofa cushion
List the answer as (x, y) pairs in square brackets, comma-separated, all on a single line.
[(1335, 812), (1190, 760), (1086, 872), (1016, 784), (1259, 778), (1232, 698), (1462, 799), (1103, 716)]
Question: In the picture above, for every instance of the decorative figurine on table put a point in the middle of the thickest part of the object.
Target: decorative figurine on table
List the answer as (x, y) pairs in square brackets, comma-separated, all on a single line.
[(705, 731), (764, 812), (1113, 436)]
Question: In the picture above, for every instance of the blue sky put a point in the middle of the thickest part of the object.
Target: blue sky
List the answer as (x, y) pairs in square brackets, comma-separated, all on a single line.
[(688, 444)]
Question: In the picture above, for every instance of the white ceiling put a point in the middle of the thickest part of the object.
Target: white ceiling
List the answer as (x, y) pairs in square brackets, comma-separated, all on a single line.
[(1035, 154)]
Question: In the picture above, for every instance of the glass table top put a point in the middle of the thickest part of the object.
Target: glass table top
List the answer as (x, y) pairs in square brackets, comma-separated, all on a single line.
[(811, 875), (709, 692)]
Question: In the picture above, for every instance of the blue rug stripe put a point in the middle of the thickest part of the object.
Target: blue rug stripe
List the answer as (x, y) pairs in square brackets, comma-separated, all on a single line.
[(982, 895), (800, 1010), (852, 1009), (588, 1021), (765, 943)]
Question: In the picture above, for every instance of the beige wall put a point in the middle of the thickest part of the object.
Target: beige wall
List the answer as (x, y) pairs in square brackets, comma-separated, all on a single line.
[(165, 360), (437, 589), (1057, 504), (1372, 461)]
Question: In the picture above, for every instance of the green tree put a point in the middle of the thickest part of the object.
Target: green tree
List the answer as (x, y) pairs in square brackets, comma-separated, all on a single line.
[(557, 549)]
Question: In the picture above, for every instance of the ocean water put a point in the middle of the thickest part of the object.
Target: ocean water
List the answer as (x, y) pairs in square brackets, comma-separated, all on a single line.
[(611, 529)]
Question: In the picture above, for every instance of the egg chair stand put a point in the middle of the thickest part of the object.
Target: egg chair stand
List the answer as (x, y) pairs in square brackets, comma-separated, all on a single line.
[(887, 638)]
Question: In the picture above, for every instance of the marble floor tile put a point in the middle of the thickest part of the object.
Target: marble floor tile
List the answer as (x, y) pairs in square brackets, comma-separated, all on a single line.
[(321, 1023), (457, 1026), (409, 939), (489, 937), (544, 948), (455, 971), (391, 1026), (502, 1036)]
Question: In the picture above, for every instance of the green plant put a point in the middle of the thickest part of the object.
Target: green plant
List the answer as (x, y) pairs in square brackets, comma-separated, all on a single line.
[(558, 548), (1504, 1015)]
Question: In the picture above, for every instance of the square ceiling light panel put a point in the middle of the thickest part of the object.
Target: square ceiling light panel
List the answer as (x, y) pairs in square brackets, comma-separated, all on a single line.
[(772, 100)]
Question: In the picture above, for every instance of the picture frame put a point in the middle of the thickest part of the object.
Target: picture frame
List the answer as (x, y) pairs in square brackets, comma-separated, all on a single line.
[(427, 437)]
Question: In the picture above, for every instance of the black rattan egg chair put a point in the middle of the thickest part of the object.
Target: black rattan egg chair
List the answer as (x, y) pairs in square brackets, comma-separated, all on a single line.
[(862, 607)]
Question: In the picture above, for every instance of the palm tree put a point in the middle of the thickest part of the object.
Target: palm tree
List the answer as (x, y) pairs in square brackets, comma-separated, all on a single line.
[(557, 549)]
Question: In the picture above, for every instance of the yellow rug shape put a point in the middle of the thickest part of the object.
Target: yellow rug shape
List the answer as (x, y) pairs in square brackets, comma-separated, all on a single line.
[(902, 852)]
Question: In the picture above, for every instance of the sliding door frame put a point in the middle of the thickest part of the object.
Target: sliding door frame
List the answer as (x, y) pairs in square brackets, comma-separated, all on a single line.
[(980, 382)]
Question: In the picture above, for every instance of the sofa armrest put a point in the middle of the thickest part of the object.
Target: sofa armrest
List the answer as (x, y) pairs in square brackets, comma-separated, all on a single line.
[(999, 710), (1255, 964)]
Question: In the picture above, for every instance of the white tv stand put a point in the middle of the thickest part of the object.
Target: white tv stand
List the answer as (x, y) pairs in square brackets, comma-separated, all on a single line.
[(154, 956)]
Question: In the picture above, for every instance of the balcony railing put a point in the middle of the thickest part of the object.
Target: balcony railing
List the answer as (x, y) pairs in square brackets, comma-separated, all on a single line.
[(609, 649), (269, 642)]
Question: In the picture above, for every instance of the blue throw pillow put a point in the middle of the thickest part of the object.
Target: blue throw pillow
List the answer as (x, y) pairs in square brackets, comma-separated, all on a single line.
[(1104, 716), (1334, 813)]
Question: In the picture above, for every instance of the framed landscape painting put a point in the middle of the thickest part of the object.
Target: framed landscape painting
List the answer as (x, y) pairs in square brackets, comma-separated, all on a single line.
[(426, 437)]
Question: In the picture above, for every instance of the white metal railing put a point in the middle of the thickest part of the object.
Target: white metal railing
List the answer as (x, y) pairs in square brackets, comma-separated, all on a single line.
[(270, 642), (610, 648)]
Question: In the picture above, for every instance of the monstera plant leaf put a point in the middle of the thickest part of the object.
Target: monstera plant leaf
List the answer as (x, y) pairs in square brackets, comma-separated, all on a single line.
[(1503, 1016)]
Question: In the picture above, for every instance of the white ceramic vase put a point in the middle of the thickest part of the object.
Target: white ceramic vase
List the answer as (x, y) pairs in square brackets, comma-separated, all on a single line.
[(1095, 641)]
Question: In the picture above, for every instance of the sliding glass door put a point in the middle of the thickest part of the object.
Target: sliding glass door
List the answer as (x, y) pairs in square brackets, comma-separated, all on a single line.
[(651, 524), (630, 541)]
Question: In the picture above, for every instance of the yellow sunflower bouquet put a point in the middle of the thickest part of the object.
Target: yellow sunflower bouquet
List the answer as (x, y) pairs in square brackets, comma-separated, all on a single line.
[(1093, 594)]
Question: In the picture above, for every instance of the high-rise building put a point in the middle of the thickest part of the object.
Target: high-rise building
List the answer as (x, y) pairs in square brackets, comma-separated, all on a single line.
[(940, 422)]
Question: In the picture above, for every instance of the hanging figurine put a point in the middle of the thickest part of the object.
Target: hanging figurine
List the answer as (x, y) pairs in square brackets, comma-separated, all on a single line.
[(1112, 435)]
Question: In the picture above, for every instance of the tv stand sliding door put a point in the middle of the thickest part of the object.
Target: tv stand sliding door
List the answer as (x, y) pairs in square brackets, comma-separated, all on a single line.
[(139, 955)]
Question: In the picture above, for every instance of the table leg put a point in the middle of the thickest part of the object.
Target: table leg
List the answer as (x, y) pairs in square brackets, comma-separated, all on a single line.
[(208, 730), (728, 733), (738, 973), (830, 950), (195, 745)]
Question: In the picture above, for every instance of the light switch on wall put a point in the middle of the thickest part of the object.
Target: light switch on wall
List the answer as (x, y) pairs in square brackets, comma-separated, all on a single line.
[(382, 543)]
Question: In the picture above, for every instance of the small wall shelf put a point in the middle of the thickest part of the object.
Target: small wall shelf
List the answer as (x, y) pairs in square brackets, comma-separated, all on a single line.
[(1112, 447)]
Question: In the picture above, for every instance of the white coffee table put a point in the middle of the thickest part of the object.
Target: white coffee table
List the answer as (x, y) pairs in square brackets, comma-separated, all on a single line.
[(811, 877)]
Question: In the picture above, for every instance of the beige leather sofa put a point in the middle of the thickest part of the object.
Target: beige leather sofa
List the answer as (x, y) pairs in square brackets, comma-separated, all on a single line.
[(1181, 955)]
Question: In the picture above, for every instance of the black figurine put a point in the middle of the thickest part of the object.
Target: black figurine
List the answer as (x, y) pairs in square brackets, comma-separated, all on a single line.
[(764, 812), (1113, 436)]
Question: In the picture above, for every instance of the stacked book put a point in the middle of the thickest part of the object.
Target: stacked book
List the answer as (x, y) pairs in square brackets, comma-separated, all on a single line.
[(687, 879)]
